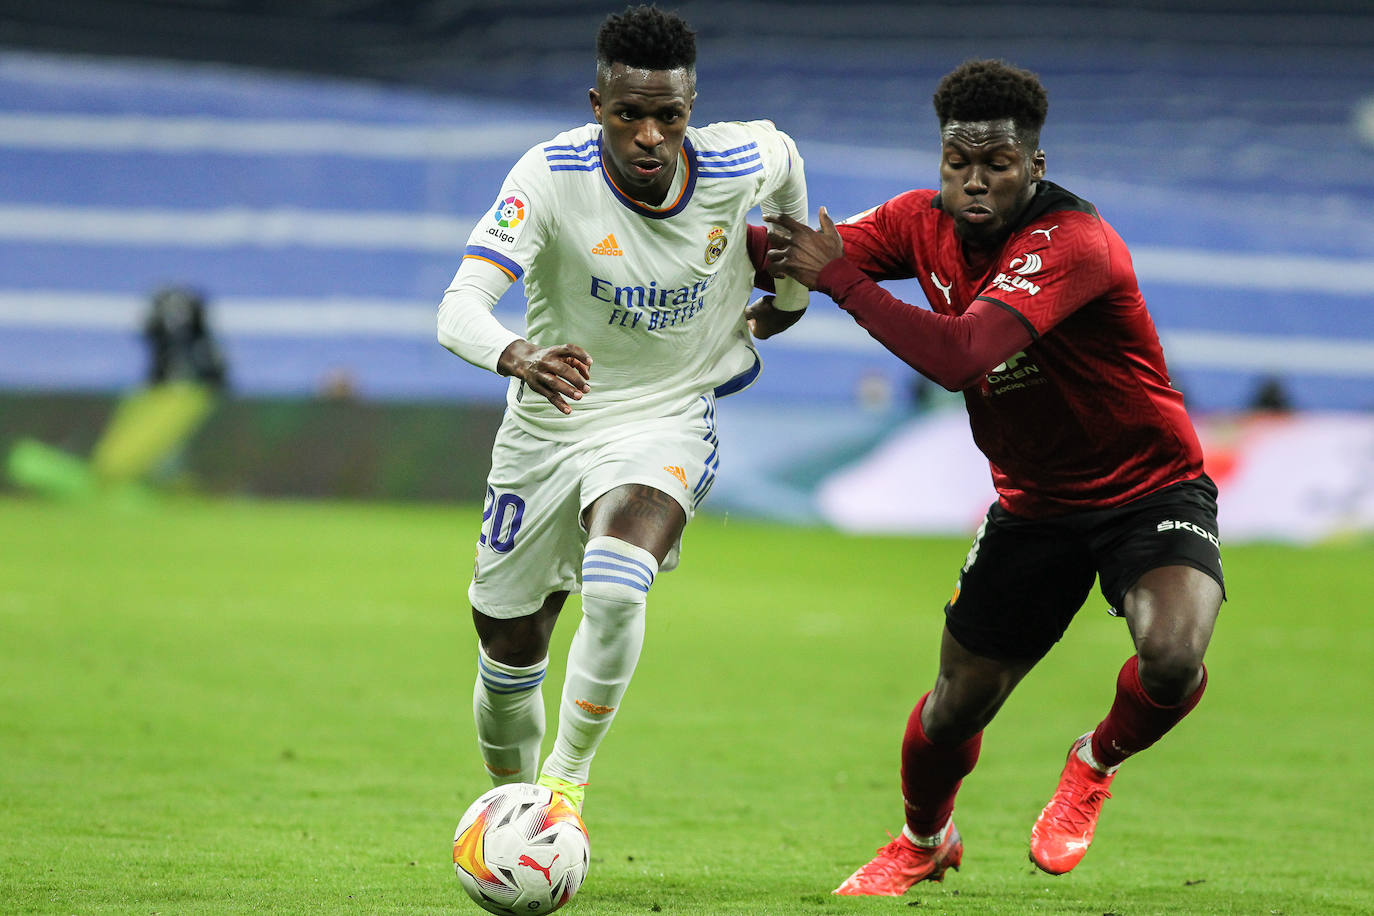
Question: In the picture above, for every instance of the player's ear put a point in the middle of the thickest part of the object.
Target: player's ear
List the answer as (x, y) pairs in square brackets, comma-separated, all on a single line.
[(1038, 165), (595, 98)]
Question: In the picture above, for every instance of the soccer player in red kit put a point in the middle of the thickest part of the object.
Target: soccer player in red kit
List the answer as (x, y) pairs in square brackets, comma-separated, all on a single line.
[(1036, 317)]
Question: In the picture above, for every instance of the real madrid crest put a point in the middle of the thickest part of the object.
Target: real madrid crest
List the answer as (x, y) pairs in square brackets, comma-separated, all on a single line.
[(715, 245)]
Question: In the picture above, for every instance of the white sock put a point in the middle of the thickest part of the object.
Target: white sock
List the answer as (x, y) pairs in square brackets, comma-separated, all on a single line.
[(926, 842), (616, 576), (1085, 754), (508, 707)]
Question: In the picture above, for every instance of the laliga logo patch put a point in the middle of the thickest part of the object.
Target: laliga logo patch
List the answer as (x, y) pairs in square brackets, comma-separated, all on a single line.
[(715, 245), (509, 212), (1026, 264)]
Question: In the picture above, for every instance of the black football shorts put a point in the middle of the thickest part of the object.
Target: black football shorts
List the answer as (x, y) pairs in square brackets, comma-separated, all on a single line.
[(1024, 579)]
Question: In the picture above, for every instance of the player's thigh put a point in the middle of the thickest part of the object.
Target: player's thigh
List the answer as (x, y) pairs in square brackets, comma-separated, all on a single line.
[(1176, 526), (641, 515), (530, 543), (1020, 587), (677, 456), (1160, 563)]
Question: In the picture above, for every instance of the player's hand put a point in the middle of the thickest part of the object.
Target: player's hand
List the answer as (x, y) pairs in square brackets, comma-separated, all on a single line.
[(556, 372), (796, 250), (765, 319)]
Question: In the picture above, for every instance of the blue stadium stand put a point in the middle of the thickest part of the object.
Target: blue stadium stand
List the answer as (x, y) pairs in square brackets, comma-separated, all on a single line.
[(324, 218)]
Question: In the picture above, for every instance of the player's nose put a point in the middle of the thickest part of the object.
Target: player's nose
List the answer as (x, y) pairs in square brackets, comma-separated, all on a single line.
[(649, 135)]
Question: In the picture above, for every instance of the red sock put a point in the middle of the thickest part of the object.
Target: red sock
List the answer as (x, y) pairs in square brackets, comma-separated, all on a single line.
[(931, 774), (1135, 721)]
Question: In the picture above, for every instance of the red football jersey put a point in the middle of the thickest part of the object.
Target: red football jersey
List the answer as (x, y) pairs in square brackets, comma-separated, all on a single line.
[(1084, 416)]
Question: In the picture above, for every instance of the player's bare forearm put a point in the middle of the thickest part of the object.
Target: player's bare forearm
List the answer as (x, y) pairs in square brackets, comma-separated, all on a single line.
[(765, 319), (796, 250), (557, 373)]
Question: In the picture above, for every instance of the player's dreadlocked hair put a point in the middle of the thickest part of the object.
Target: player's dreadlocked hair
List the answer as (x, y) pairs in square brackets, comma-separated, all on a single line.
[(646, 38), (990, 90)]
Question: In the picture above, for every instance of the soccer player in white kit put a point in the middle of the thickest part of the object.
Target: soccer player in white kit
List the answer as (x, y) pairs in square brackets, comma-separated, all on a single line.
[(630, 237)]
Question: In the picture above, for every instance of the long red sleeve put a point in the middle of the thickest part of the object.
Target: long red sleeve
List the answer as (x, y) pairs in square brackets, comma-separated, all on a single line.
[(756, 244), (952, 351)]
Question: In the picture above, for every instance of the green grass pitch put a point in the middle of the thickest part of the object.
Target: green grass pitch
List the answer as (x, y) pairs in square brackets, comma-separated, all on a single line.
[(212, 708)]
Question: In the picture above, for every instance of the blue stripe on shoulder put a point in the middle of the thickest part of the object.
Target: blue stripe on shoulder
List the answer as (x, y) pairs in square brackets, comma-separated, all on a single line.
[(733, 161), (568, 147), (564, 157), (731, 173), (725, 153)]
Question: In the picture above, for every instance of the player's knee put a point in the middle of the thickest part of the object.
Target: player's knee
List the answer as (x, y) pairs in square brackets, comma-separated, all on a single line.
[(616, 576), (519, 642), (953, 716), (523, 640), (1169, 671), (944, 730)]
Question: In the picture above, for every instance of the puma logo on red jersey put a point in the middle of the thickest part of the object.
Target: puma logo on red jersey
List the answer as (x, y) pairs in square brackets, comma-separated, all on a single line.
[(942, 287)]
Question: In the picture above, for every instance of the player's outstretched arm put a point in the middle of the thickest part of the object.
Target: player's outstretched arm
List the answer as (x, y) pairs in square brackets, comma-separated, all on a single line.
[(953, 351), (556, 372), (796, 250)]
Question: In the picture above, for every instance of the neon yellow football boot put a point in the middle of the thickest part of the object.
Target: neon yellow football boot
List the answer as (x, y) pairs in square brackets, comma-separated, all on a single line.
[(573, 792)]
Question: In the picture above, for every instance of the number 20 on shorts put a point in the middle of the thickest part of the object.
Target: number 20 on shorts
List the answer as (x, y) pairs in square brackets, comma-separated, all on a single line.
[(502, 514)]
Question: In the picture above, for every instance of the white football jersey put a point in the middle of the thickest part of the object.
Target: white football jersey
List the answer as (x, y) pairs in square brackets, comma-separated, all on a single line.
[(656, 296)]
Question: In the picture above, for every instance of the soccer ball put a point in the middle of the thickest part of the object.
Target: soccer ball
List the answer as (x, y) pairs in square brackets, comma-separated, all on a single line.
[(520, 848)]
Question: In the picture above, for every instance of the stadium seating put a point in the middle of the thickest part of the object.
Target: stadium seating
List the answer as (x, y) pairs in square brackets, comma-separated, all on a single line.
[(323, 218)]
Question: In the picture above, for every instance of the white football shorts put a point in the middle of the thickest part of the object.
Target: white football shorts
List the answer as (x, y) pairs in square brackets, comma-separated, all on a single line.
[(532, 539)]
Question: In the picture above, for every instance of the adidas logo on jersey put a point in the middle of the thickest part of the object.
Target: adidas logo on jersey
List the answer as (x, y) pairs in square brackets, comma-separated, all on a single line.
[(677, 472), (608, 246)]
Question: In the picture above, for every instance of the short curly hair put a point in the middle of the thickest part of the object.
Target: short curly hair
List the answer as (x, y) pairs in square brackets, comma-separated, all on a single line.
[(989, 90), (646, 38)]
